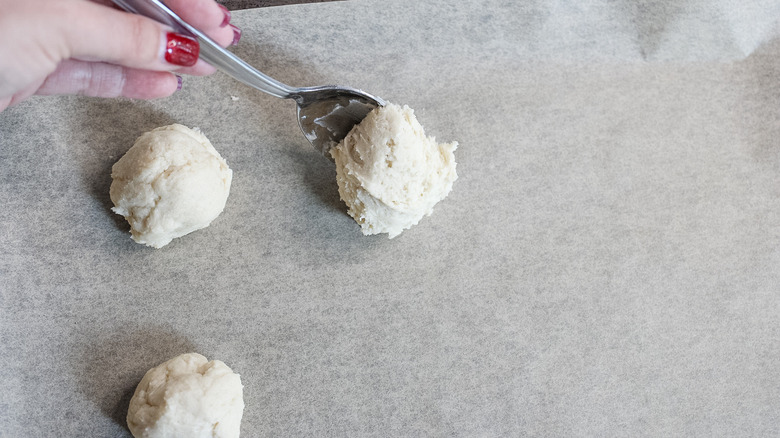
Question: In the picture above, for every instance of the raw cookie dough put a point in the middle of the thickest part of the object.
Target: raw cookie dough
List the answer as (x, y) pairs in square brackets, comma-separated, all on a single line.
[(187, 397), (389, 173), (170, 183)]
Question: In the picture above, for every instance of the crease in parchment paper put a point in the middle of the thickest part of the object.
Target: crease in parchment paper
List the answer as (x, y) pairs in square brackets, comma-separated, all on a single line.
[(604, 30)]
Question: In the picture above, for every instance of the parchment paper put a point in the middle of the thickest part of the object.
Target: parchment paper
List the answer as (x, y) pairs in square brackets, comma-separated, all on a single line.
[(606, 265)]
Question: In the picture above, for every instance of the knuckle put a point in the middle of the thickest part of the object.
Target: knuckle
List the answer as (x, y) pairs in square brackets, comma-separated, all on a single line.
[(104, 80), (143, 39)]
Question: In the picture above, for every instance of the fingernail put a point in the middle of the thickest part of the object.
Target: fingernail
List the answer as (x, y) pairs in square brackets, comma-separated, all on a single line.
[(181, 50), (226, 20), (236, 35), (179, 82)]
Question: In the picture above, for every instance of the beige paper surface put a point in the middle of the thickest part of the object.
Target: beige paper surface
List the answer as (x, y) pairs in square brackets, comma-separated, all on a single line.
[(607, 263)]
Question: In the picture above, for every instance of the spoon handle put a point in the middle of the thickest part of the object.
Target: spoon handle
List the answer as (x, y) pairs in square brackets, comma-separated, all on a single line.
[(210, 51)]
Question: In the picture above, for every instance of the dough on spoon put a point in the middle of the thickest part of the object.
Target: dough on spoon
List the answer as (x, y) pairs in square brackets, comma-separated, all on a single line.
[(170, 183), (187, 396), (390, 174)]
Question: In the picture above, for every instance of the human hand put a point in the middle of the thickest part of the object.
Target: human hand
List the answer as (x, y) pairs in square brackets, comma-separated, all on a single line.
[(92, 48)]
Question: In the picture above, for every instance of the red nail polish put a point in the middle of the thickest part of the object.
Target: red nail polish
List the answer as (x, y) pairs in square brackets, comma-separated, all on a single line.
[(181, 50), (236, 35), (226, 20)]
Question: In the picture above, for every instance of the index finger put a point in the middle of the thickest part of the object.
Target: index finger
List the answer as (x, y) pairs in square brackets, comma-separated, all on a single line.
[(207, 16)]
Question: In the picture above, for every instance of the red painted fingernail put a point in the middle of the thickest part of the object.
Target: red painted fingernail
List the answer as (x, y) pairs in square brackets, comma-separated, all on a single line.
[(226, 20), (181, 50), (236, 35), (179, 82)]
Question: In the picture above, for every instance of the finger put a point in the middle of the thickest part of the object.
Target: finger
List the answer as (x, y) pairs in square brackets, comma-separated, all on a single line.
[(207, 16), (201, 68), (108, 3), (140, 43), (137, 42), (108, 80)]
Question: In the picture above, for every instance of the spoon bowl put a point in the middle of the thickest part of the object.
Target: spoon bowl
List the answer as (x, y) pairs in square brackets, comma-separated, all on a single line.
[(327, 114)]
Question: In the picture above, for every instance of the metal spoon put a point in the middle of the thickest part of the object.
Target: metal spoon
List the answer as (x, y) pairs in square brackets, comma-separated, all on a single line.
[(326, 114)]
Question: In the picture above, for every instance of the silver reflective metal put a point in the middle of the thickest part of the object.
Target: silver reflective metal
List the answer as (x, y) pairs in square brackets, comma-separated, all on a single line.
[(325, 114)]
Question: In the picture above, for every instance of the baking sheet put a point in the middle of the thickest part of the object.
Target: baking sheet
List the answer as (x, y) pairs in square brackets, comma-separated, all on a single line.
[(606, 265)]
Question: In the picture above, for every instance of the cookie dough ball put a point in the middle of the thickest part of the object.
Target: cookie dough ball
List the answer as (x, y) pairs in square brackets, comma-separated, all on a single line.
[(187, 397), (389, 173), (170, 183)]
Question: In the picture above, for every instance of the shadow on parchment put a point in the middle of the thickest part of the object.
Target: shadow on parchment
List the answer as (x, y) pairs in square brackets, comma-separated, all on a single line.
[(279, 65), (318, 171), (322, 216), (104, 129), (763, 92), (111, 365), (319, 175), (323, 222)]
